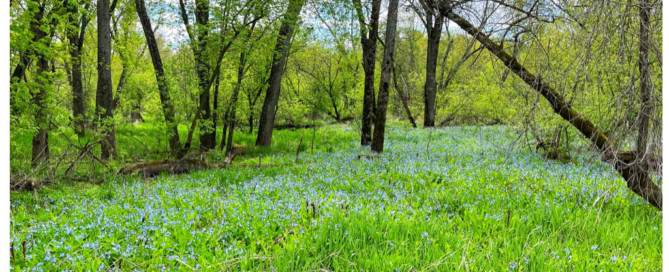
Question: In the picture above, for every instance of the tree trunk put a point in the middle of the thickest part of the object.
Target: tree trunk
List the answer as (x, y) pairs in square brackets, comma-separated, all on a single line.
[(104, 97), (278, 66), (430, 88), (637, 179), (207, 134), (75, 34), (384, 84), (214, 113), (232, 116), (119, 86), (40, 142), (163, 90), (645, 82), (368, 39)]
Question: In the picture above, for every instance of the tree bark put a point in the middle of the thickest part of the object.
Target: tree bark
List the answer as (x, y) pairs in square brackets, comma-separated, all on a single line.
[(232, 116), (40, 142), (163, 90), (384, 84), (75, 35), (207, 134), (104, 97), (368, 39), (278, 66), (433, 25), (637, 179), (645, 82)]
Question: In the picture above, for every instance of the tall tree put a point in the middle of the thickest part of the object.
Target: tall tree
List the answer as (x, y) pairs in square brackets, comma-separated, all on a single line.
[(78, 21), (433, 19), (104, 99), (369, 33), (386, 70), (280, 54), (163, 91), (39, 29)]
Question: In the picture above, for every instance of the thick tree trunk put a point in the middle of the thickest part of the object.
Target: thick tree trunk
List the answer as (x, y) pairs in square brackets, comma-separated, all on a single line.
[(368, 36), (207, 134), (104, 97), (430, 88), (163, 90), (384, 84), (637, 178), (40, 142), (278, 66)]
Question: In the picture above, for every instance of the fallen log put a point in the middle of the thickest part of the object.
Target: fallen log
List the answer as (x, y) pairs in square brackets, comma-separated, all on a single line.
[(171, 166)]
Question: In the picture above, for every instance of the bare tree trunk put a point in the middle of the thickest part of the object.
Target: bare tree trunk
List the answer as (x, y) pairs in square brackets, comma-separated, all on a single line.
[(104, 96), (433, 24), (278, 66), (368, 36), (384, 84), (163, 90), (75, 34), (637, 179)]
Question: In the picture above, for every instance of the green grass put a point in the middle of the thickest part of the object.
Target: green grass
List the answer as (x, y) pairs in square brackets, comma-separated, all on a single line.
[(470, 204)]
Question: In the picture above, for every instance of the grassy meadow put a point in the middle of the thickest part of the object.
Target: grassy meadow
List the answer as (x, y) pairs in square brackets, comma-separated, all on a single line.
[(448, 199)]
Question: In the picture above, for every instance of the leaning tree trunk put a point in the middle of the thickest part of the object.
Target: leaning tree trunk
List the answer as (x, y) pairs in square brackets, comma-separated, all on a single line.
[(163, 90), (278, 65), (384, 84), (645, 82), (368, 36), (638, 179), (430, 88), (104, 96)]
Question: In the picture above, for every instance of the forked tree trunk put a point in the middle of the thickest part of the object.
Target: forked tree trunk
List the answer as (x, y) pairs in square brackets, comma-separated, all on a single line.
[(369, 33), (637, 177), (384, 84), (163, 90), (278, 66)]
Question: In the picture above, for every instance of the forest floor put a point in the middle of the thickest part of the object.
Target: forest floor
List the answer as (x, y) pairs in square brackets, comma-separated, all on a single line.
[(453, 199)]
